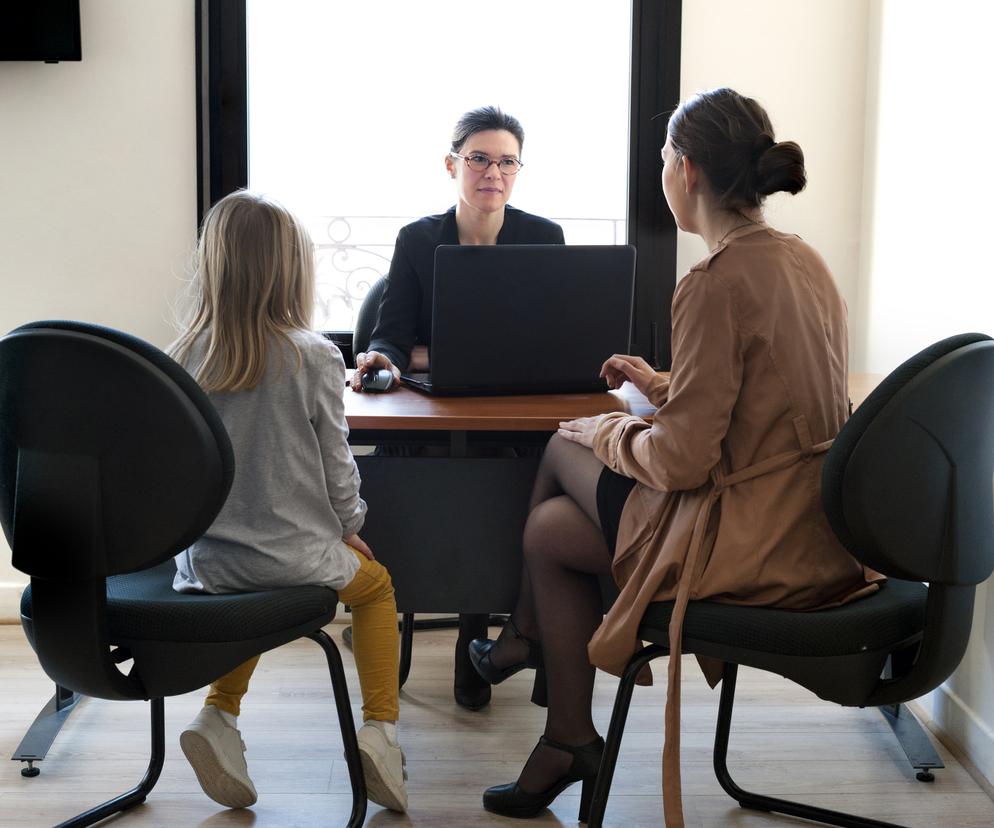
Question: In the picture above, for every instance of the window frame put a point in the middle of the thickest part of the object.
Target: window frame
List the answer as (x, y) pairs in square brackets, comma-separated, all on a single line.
[(222, 144)]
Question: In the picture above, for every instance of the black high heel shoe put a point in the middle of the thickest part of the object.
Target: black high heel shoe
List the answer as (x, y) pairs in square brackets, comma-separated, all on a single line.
[(511, 801), (480, 650)]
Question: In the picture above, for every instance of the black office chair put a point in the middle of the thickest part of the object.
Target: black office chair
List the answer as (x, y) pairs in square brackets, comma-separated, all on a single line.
[(365, 322), (907, 488), (112, 460)]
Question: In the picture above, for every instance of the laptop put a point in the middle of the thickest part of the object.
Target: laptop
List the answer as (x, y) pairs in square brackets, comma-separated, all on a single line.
[(527, 318)]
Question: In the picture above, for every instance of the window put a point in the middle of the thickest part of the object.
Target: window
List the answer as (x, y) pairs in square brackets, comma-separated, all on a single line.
[(343, 111)]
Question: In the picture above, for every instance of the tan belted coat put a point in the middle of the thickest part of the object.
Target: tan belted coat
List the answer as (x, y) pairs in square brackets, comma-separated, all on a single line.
[(727, 502)]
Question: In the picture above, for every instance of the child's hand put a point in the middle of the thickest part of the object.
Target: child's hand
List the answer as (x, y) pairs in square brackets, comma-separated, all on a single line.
[(360, 546)]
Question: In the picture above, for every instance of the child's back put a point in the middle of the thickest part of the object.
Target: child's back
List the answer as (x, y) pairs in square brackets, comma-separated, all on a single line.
[(295, 494)]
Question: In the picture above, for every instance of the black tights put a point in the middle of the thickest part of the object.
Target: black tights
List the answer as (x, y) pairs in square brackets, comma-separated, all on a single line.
[(559, 605)]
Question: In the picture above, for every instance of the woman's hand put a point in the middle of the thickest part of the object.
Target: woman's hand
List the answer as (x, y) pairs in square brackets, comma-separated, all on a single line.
[(580, 431), (371, 361), (636, 370), (360, 546)]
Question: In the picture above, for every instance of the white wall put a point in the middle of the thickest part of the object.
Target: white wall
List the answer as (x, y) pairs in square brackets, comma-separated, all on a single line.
[(98, 181), (929, 179), (926, 271), (805, 63)]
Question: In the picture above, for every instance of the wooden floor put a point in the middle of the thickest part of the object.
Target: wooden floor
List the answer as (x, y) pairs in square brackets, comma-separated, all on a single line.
[(784, 742)]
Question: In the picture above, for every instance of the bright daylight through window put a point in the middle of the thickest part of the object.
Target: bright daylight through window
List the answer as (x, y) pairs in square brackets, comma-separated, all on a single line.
[(351, 108)]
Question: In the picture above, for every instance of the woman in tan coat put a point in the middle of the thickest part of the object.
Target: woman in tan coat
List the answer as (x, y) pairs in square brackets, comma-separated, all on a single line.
[(718, 497)]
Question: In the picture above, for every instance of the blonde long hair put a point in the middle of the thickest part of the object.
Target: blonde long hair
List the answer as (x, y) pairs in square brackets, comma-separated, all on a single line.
[(253, 283)]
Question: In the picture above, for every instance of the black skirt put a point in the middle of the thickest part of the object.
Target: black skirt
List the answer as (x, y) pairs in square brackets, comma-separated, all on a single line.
[(612, 492)]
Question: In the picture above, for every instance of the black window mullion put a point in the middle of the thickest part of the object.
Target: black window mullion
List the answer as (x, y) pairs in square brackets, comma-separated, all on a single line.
[(222, 100), (655, 89)]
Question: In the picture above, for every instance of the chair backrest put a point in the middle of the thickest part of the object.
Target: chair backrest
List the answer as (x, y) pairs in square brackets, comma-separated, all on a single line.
[(365, 322), (907, 488), (112, 460)]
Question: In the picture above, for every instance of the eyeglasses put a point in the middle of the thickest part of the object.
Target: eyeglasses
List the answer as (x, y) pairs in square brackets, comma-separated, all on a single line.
[(478, 162)]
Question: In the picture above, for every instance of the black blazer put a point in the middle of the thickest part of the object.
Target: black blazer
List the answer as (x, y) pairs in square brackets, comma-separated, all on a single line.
[(404, 319)]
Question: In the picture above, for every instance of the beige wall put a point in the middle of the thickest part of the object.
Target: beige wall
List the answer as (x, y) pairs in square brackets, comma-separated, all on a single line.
[(805, 62), (926, 274), (98, 182)]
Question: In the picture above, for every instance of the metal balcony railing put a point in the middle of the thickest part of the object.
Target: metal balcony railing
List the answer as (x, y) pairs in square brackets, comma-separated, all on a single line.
[(352, 252)]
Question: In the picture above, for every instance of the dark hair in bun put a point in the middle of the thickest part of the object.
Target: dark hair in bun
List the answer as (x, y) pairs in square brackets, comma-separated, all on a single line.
[(731, 138)]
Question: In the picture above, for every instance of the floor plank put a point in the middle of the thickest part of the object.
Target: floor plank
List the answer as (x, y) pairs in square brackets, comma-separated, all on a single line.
[(784, 742)]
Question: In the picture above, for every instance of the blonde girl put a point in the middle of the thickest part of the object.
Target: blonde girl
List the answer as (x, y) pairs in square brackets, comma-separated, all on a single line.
[(294, 511)]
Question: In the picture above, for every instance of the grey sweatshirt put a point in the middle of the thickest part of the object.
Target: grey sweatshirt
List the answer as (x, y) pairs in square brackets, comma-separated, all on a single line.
[(295, 493)]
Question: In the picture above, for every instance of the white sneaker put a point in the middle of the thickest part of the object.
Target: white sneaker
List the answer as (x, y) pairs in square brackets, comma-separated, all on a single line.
[(384, 766), (216, 752)]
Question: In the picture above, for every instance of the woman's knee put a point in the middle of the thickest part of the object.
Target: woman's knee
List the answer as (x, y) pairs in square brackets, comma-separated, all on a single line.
[(556, 450), (547, 522)]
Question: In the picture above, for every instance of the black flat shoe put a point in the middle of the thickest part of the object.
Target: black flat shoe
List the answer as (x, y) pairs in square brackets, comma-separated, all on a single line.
[(511, 801), (480, 650)]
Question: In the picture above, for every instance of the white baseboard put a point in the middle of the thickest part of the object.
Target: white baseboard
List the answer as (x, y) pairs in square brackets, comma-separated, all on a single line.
[(966, 728)]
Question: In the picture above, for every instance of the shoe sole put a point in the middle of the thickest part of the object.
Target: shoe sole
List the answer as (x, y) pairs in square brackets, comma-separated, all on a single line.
[(472, 704), (378, 789), (217, 783)]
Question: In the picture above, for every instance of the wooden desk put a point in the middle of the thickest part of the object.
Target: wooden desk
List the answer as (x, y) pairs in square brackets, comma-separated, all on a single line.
[(447, 521), (448, 490), (405, 409), (409, 410)]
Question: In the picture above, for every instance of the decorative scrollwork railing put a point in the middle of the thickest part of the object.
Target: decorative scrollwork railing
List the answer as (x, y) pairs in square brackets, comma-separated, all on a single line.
[(352, 252)]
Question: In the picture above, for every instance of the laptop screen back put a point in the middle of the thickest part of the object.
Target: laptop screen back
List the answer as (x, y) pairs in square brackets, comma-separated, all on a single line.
[(529, 317)]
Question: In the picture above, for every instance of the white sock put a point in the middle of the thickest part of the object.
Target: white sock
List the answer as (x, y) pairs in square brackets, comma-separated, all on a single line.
[(228, 718)]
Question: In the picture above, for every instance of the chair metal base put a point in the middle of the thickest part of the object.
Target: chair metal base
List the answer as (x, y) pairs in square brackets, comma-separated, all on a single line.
[(138, 794), (344, 709), (746, 799), (917, 746), (46, 726)]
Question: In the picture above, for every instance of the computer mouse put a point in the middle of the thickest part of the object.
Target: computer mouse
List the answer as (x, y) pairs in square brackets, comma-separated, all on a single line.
[(379, 379)]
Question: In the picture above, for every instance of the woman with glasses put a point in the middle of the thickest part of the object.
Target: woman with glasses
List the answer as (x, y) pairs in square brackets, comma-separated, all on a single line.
[(484, 160), (718, 497)]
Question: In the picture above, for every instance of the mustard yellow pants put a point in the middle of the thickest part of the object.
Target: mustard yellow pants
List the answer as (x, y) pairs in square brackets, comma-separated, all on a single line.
[(375, 645)]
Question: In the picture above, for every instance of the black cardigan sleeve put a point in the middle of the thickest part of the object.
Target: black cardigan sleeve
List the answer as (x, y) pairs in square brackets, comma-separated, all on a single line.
[(397, 321)]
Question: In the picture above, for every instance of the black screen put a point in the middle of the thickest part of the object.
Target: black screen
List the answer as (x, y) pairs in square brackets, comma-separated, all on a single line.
[(40, 30)]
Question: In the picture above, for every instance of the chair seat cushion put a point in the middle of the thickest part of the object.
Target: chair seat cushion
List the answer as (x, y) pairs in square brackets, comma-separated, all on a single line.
[(893, 614), (143, 605)]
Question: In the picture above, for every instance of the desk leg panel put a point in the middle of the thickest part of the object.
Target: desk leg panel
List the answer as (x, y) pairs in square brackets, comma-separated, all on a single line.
[(448, 528)]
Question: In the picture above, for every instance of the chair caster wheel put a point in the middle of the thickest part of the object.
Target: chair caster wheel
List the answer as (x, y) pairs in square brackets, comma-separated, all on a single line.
[(30, 771), (925, 776)]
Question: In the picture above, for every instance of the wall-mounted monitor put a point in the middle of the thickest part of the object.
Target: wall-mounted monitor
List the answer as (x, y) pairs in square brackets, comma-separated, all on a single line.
[(45, 30)]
